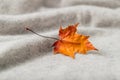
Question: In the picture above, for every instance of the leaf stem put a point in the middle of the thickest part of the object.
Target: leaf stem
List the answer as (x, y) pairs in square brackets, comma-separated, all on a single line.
[(40, 34)]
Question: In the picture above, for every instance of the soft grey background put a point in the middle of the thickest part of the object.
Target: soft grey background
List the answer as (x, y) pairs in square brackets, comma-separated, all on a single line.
[(25, 56)]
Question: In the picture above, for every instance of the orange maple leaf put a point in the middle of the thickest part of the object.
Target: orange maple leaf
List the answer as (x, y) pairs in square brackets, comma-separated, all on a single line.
[(70, 42)]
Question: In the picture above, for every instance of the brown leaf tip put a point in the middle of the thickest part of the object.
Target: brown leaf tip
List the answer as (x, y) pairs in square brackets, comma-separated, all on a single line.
[(26, 28), (96, 49)]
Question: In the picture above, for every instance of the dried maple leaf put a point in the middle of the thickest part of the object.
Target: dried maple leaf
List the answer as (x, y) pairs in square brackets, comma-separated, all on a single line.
[(70, 42)]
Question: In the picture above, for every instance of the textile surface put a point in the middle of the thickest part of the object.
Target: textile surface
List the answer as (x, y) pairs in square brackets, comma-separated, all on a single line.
[(26, 56)]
